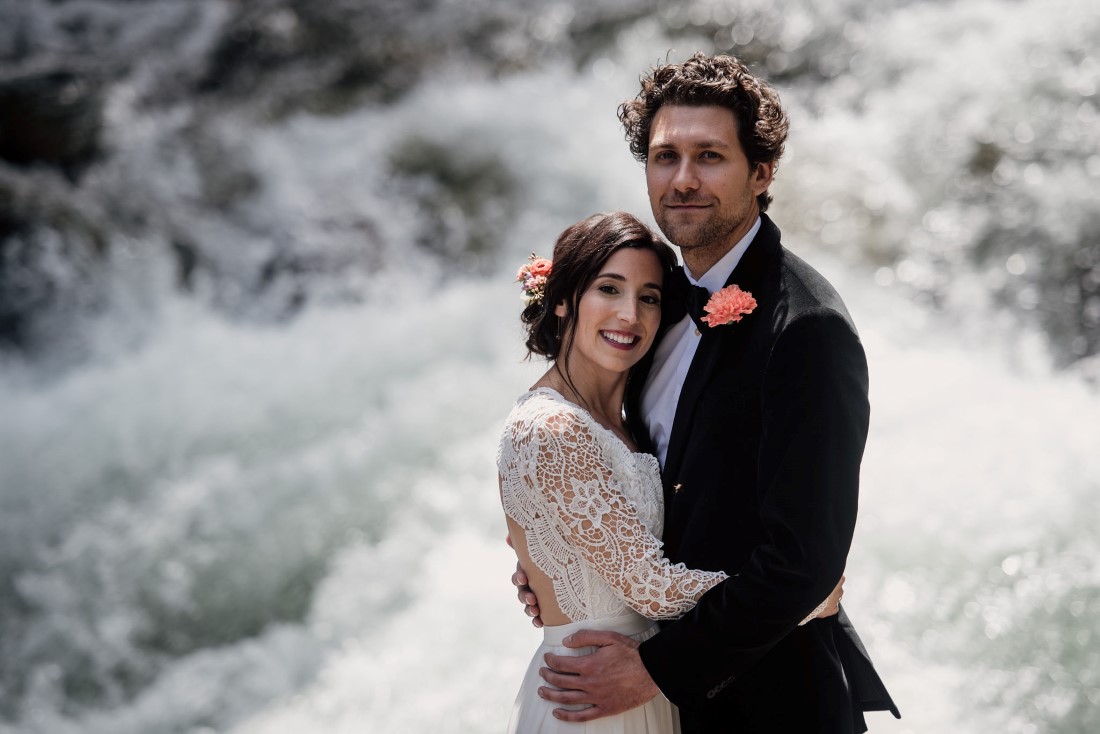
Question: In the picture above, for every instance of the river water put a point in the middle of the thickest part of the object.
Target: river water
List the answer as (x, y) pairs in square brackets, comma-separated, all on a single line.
[(220, 520)]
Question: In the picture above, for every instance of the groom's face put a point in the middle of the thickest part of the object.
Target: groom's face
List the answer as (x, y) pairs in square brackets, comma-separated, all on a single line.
[(701, 187)]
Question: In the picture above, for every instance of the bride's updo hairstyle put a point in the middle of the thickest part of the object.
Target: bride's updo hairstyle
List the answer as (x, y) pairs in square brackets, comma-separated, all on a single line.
[(579, 255)]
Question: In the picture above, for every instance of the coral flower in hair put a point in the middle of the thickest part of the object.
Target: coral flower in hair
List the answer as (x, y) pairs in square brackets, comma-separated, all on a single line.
[(532, 278), (728, 306), (540, 266)]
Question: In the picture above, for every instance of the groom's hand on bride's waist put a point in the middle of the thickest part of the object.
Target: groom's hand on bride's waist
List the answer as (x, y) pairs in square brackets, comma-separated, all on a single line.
[(611, 679)]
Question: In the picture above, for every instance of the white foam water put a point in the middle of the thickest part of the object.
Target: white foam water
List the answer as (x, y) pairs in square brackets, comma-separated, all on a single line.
[(232, 526)]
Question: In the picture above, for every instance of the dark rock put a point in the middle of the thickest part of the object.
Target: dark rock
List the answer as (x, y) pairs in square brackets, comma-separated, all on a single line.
[(50, 116), (465, 198)]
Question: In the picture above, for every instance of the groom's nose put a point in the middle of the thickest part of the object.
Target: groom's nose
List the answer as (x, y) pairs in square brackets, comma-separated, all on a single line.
[(686, 177)]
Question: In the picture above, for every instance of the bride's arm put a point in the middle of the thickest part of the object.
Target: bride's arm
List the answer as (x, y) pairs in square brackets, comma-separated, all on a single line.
[(567, 473), (594, 517)]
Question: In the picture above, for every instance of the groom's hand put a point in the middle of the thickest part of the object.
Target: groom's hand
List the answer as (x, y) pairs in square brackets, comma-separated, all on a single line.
[(612, 679)]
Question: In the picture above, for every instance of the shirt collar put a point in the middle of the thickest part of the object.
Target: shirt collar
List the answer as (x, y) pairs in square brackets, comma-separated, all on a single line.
[(715, 278)]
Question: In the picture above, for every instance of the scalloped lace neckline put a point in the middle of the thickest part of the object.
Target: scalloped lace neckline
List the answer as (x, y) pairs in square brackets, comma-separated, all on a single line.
[(607, 431)]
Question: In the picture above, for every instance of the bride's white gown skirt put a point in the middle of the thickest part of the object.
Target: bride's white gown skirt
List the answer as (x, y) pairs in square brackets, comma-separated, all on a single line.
[(532, 715)]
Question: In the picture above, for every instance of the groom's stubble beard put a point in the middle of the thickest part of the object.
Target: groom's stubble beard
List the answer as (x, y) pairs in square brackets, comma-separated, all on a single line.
[(707, 234), (710, 239)]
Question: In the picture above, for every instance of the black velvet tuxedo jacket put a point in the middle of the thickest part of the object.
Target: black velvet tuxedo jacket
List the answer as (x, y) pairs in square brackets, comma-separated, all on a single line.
[(761, 480)]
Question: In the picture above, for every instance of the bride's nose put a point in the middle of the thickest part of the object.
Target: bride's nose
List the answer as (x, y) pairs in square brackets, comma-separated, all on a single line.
[(628, 311)]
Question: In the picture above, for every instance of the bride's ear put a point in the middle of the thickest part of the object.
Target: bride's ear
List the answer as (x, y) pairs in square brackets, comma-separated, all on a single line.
[(561, 310)]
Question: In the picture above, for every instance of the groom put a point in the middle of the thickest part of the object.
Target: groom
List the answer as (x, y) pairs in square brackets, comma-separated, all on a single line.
[(759, 422)]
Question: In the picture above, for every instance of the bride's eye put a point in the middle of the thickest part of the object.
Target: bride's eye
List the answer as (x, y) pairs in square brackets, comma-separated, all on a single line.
[(608, 289)]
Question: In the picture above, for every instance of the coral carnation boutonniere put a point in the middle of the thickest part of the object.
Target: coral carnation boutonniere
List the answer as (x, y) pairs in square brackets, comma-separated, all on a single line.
[(728, 305)]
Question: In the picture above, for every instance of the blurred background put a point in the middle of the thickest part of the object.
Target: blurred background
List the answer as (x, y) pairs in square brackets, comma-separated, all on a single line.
[(258, 333)]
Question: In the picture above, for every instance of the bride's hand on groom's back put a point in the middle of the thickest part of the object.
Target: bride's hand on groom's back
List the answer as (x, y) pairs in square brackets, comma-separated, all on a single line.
[(832, 604)]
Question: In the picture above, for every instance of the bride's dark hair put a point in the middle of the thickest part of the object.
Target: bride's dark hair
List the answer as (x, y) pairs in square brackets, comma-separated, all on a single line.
[(579, 255)]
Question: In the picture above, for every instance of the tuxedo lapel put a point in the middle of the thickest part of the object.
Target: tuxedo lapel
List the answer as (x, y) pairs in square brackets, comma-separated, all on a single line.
[(716, 341)]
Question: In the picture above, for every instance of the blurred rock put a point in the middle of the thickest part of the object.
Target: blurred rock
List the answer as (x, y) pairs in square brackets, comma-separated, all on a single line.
[(465, 198), (51, 116)]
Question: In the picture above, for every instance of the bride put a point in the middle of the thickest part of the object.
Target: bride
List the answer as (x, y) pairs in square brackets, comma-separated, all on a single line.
[(584, 508)]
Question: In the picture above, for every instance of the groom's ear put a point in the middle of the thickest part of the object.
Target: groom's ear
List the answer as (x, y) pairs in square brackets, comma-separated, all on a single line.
[(761, 177), (561, 310)]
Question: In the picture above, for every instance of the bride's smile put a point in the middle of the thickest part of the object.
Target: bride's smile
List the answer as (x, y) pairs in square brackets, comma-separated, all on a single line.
[(622, 339)]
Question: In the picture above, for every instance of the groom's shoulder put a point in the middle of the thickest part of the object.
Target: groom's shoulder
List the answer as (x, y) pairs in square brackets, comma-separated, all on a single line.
[(806, 289)]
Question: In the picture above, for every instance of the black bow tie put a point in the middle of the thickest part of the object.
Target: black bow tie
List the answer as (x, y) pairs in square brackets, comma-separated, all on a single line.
[(694, 297)]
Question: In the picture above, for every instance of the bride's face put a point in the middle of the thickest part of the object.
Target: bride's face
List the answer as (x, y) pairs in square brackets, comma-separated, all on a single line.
[(618, 315)]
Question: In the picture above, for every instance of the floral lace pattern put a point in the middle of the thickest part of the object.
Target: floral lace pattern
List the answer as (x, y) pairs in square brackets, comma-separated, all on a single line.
[(593, 513)]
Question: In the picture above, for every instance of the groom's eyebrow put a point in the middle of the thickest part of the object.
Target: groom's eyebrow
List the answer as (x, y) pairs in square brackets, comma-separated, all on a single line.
[(659, 144)]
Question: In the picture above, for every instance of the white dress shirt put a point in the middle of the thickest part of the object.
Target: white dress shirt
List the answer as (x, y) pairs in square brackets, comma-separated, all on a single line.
[(676, 350)]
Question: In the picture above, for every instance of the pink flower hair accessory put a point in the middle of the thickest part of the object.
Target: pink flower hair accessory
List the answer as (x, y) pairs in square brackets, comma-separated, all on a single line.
[(532, 278), (728, 305)]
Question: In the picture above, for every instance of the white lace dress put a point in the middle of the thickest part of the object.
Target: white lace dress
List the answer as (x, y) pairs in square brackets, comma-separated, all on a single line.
[(593, 513)]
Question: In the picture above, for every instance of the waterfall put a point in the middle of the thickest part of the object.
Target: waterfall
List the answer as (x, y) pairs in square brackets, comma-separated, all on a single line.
[(258, 335)]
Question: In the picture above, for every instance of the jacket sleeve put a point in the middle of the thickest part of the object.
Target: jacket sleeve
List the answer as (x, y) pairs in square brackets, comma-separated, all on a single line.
[(814, 414)]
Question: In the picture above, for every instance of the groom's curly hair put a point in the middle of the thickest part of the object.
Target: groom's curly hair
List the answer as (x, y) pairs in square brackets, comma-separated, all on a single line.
[(720, 80)]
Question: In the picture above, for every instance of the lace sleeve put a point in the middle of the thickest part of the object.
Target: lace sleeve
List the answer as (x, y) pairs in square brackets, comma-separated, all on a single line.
[(594, 516), (815, 613)]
